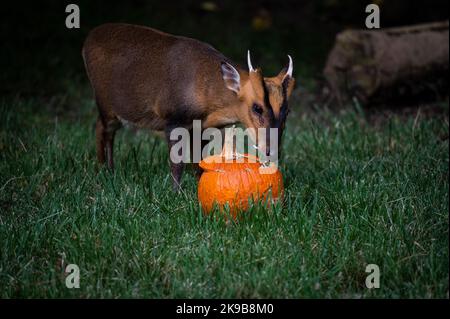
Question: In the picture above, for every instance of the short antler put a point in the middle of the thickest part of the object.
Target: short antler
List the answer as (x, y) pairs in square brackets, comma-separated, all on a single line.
[(249, 62), (290, 68)]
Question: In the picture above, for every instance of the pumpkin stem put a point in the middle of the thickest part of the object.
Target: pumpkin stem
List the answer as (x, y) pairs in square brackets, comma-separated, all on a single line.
[(228, 150)]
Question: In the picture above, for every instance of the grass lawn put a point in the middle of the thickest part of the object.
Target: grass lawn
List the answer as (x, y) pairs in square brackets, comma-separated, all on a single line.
[(356, 194)]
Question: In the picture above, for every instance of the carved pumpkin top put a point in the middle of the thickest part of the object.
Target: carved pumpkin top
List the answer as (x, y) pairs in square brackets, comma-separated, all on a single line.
[(220, 163)]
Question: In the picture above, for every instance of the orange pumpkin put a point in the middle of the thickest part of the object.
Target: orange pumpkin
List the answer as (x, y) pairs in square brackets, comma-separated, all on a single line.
[(237, 182)]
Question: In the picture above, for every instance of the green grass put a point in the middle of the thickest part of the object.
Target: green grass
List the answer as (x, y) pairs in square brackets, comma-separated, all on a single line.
[(355, 194)]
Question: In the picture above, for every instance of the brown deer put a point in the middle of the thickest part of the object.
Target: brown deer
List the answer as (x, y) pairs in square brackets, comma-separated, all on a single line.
[(159, 81)]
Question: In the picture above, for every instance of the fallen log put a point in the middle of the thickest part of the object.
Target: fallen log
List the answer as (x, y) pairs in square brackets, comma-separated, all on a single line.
[(364, 63)]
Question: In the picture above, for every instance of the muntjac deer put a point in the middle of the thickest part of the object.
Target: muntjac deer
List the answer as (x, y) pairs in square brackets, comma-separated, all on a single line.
[(159, 81)]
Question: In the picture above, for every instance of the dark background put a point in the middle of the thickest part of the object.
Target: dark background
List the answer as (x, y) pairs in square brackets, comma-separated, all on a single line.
[(42, 57), (357, 191)]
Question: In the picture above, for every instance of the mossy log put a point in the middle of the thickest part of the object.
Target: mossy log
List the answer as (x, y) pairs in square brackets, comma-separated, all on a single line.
[(365, 62)]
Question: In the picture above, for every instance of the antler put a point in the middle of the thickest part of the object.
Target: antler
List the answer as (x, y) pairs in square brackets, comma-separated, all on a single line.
[(249, 62), (290, 68)]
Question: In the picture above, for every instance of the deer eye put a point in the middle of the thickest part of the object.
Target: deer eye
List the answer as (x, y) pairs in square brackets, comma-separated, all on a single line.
[(257, 109)]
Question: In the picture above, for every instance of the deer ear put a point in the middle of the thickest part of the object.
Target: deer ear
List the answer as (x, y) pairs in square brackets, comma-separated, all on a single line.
[(231, 77)]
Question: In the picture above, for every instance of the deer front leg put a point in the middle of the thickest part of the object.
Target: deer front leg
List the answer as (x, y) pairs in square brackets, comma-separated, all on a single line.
[(176, 168), (176, 171), (195, 159)]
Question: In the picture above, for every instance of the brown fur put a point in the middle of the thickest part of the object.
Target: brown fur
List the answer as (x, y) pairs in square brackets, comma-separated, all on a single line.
[(160, 81)]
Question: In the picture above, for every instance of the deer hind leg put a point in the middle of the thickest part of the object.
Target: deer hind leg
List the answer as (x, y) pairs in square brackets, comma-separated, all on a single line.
[(105, 133)]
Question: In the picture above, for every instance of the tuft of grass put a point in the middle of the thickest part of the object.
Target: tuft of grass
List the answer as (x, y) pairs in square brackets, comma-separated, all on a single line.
[(355, 195)]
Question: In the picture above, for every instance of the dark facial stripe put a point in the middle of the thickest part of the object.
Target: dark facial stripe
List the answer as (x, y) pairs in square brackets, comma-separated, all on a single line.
[(267, 102), (284, 86)]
